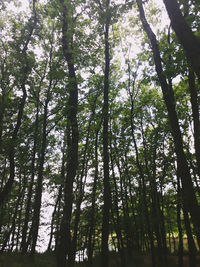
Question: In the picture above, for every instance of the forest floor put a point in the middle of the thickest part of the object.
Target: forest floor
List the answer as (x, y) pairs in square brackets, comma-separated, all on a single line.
[(48, 260), (172, 261)]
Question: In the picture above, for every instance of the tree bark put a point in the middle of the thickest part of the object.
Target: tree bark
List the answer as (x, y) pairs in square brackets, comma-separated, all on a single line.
[(24, 243), (180, 231), (116, 211), (143, 185), (189, 196), (155, 205), (39, 183), (81, 188), (106, 183), (195, 115), (53, 217), (188, 40), (64, 242), (92, 217)]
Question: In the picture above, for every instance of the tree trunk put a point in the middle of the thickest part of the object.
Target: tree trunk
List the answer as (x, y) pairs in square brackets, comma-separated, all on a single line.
[(25, 70), (53, 217), (143, 186), (81, 186), (188, 40), (191, 244), (24, 244), (64, 242), (189, 196), (14, 217), (106, 183), (180, 231), (195, 115), (92, 217), (39, 184), (116, 210)]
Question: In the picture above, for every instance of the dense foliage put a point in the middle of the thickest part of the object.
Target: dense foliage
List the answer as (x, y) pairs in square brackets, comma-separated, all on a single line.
[(100, 130)]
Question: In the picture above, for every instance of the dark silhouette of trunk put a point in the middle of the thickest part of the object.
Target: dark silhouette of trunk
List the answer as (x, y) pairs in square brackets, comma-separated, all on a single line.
[(188, 40), (161, 198), (189, 197), (180, 231), (142, 185), (53, 216), (136, 227), (92, 214), (106, 183), (2, 104), (19, 208), (25, 70), (58, 215), (24, 243), (124, 195), (195, 115), (194, 172), (39, 183), (17, 237), (191, 244), (14, 217), (155, 204), (8, 186), (115, 208), (145, 205), (81, 189), (72, 254), (138, 164), (64, 242)]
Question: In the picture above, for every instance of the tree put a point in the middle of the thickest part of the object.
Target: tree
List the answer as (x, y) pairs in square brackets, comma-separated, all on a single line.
[(64, 244), (108, 132), (190, 200), (185, 35), (25, 70)]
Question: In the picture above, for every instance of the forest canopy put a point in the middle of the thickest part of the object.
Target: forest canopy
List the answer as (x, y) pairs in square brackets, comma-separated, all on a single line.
[(100, 131)]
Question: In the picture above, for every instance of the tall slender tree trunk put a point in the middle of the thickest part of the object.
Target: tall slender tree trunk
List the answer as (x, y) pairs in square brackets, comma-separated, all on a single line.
[(24, 243), (92, 217), (2, 110), (195, 115), (39, 186), (53, 216), (58, 215), (143, 186), (180, 231), (155, 205), (191, 244), (8, 186), (64, 242), (81, 187), (189, 196), (125, 206), (14, 218), (106, 183), (146, 212), (39, 183), (116, 210), (188, 40), (25, 70)]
